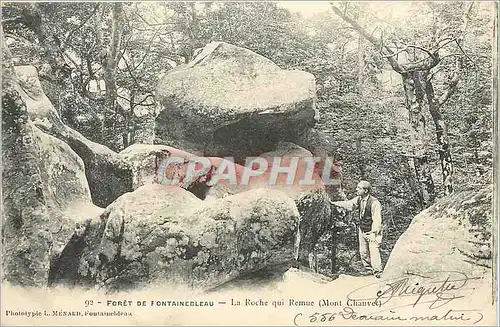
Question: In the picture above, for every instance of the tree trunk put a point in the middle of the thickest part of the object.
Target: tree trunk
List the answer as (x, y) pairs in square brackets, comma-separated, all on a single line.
[(361, 161), (443, 141), (112, 133), (33, 15), (361, 64), (333, 249), (414, 95), (361, 52)]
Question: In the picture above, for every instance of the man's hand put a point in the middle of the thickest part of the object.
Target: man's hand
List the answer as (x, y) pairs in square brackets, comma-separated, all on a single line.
[(373, 236), (337, 204)]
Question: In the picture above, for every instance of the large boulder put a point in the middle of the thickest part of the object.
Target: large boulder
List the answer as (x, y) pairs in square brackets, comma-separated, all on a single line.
[(230, 101), (45, 193), (80, 263), (312, 200), (26, 237), (148, 161), (455, 234), (108, 175), (165, 235), (67, 193), (66, 200)]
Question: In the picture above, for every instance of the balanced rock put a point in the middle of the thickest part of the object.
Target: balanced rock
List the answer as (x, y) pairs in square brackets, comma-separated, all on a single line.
[(230, 101)]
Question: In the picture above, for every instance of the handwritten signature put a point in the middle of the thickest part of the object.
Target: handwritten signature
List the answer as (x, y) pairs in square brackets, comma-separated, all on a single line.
[(431, 290), (349, 313), (435, 288)]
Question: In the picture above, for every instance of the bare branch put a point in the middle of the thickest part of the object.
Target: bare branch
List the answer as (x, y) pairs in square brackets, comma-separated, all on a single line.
[(395, 53), (356, 26), (70, 33), (137, 12), (147, 50), (65, 55), (122, 52), (122, 97), (387, 52), (384, 50), (466, 19), (431, 76), (449, 39), (453, 82), (465, 54), (452, 86), (132, 75), (144, 100), (431, 54), (140, 103), (445, 44), (421, 65)]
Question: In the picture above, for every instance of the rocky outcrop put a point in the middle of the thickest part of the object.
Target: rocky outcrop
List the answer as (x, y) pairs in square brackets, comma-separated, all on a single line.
[(45, 193), (67, 193), (322, 145), (145, 159), (108, 175), (230, 101), (148, 163), (455, 234), (151, 232), (165, 235), (26, 234), (311, 199)]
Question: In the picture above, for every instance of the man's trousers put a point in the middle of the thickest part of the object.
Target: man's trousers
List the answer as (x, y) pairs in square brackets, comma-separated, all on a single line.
[(369, 250)]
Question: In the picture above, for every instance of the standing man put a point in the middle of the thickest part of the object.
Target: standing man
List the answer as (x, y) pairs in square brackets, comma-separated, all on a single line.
[(369, 226)]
